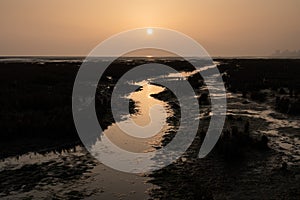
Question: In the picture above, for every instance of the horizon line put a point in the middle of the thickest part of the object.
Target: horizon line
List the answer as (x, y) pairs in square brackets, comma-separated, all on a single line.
[(155, 56)]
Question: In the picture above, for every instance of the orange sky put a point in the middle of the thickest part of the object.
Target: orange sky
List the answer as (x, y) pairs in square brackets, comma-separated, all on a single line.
[(75, 27)]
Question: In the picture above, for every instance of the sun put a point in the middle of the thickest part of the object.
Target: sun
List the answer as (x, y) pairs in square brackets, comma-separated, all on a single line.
[(149, 31)]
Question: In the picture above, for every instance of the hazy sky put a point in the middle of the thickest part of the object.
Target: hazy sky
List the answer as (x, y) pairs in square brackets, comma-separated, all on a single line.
[(75, 27)]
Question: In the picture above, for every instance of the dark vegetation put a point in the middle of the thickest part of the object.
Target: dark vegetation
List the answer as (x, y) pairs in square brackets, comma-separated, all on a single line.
[(279, 76), (36, 103), (36, 110)]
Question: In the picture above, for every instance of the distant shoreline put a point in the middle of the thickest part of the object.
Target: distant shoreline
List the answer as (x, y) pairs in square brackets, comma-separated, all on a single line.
[(146, 57)]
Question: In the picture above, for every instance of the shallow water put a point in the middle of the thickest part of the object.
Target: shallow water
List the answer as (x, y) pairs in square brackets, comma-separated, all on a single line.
[(150, 118)]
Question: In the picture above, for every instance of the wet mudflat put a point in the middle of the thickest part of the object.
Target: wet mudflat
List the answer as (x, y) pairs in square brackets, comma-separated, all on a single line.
[(239, 171), (71, 174)]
